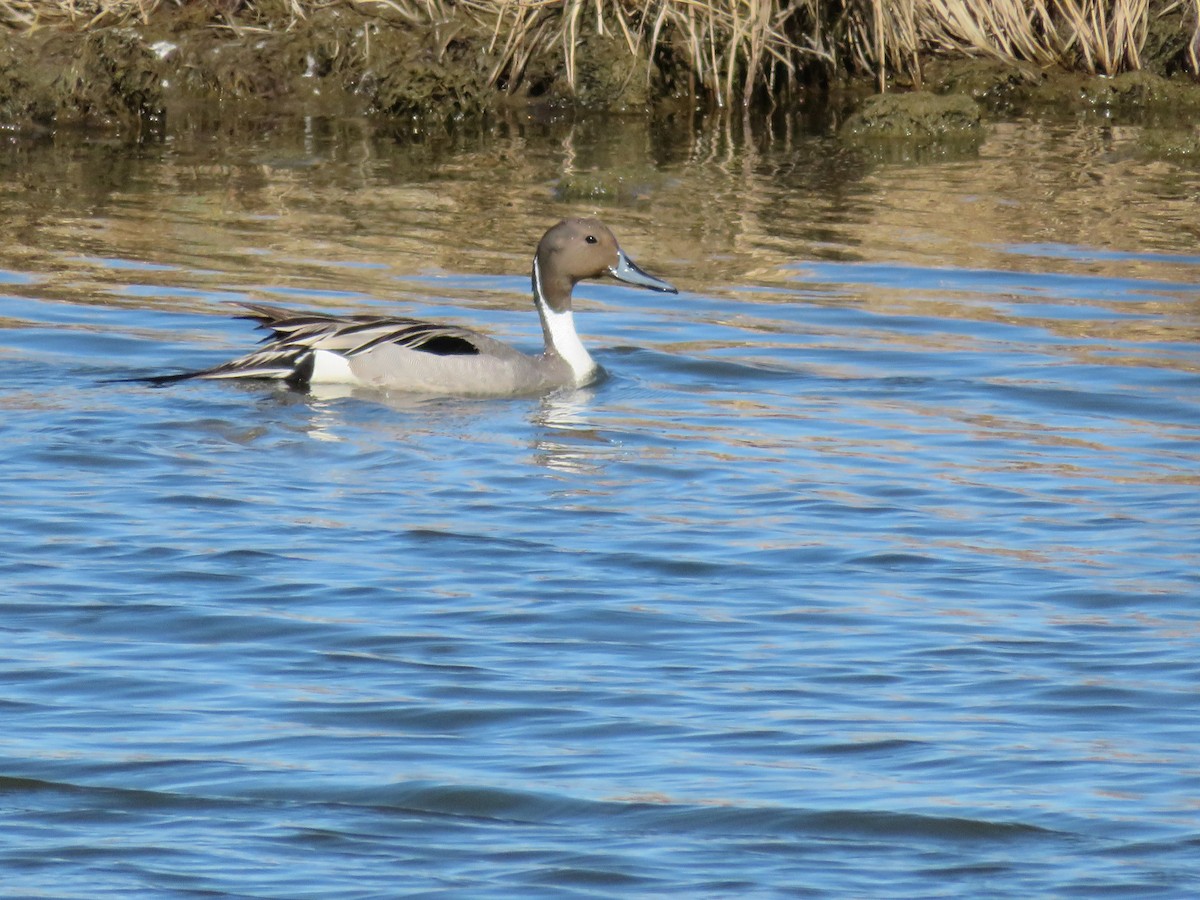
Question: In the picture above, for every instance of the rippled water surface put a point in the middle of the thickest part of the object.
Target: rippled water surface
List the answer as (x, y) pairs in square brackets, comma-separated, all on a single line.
[(870, 570)]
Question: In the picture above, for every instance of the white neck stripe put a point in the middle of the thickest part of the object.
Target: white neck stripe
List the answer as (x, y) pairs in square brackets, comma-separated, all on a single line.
[(539, 299), (561, 336), (560, 326)]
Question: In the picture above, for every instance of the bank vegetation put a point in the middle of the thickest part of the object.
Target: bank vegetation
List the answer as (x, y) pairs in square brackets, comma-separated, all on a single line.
[(727, 50)]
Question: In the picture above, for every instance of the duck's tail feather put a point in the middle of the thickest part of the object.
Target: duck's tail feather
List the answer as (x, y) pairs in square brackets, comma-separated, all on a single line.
[(292, 365)]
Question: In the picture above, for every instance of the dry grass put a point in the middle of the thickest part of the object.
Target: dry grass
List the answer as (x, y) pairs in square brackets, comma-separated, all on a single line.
[(733, 47), (86, 13), (1098, 36)]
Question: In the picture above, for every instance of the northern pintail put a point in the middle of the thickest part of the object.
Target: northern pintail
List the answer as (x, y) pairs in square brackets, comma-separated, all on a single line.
[(414, 356)]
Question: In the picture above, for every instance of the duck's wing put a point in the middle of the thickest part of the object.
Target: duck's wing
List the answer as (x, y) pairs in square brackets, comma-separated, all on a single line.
[(288, 351), (352, 335)]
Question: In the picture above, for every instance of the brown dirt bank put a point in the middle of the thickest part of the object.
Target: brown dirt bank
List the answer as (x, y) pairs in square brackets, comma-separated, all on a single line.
[(339, 58), (131, 71)]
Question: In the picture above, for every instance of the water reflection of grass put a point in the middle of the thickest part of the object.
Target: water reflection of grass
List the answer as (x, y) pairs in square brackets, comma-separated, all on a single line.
[(725, 48), (792, 226)]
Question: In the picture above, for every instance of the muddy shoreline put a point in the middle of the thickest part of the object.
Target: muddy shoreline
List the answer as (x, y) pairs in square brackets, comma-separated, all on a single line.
[(138, 78)]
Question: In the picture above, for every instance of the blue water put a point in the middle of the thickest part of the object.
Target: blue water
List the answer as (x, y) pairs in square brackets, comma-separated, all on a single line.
[(872, 568)]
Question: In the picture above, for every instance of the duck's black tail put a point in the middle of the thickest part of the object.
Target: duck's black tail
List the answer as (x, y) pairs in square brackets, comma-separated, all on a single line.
[(156, 380), (290, 364)]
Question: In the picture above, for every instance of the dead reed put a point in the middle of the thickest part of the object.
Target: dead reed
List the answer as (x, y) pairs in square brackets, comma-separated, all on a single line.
[(1097, 36), (731, 48), (26, 14)]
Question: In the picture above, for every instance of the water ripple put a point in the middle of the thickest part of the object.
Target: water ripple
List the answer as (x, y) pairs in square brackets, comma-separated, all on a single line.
[(870, 570)]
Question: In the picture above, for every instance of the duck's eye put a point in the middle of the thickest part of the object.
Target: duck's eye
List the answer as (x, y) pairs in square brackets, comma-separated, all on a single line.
[(591, 239)]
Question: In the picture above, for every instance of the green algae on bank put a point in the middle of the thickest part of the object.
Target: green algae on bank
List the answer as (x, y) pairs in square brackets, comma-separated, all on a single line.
[(1176, 145), (605, 187), (899, 126), (106, 76), (1006, 89)]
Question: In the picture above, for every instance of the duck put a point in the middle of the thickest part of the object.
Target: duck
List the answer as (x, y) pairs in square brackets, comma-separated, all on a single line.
[(393, 353)]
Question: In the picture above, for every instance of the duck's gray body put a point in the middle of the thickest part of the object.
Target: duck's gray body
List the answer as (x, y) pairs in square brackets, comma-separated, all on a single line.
[(497, 370), (427, 358)]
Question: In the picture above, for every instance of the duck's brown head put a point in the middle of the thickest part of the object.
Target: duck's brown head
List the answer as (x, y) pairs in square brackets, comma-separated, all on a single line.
[(576, 249)]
